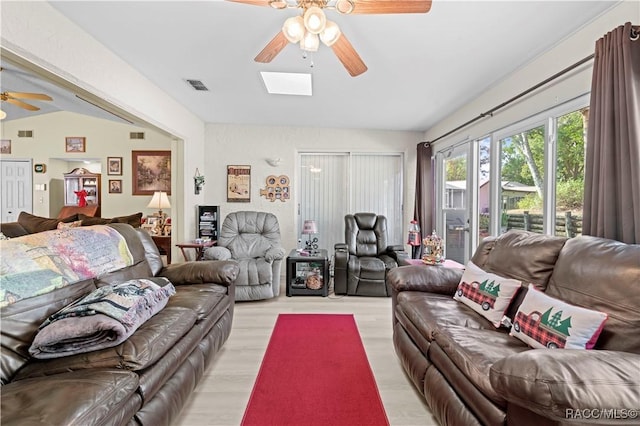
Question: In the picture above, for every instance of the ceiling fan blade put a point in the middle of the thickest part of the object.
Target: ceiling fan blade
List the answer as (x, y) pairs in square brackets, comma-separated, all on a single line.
[(272, 49), (390, 6), (348, 56), (24, 95), (253, 2), (22, 104)]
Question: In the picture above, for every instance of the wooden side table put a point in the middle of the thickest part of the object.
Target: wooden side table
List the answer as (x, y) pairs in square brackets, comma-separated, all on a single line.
[(199, 248), (163, 242)]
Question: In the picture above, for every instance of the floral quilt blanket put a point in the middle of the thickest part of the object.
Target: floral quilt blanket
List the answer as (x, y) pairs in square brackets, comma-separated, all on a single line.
[(40, 263)]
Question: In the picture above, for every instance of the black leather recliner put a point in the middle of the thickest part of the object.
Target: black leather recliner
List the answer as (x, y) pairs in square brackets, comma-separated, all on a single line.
[(362, 262)]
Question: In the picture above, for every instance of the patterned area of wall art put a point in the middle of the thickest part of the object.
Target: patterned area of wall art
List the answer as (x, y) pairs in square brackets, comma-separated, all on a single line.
[(277, 188)]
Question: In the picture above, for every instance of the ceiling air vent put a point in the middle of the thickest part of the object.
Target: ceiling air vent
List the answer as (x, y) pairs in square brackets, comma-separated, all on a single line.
[(198, 85), (136, 135), (25, 133)]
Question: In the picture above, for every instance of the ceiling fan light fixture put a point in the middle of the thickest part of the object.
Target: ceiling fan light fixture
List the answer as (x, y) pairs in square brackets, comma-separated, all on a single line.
[(3, 115), (344, 7), (310, 42), (278, 4), (293, 29), (330, 34), (314, 20)]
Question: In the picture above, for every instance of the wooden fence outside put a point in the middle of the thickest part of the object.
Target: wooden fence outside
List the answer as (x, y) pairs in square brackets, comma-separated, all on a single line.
[(566, 225)]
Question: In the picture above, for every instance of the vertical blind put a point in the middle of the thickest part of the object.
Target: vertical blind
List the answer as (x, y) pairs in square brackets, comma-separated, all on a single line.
[(335, 184)]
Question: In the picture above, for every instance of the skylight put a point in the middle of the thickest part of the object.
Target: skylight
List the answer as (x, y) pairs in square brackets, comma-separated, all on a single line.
[(286, 83)]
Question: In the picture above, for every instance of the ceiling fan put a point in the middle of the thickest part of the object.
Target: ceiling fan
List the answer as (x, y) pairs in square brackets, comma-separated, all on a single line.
[(14, 98), (312, 26)]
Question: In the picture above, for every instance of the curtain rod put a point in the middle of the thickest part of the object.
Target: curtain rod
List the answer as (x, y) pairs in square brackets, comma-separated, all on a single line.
[(516, 97)]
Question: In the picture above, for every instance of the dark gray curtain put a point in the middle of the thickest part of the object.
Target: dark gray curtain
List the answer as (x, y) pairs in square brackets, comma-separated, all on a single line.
[(612, 166), (425, 185)]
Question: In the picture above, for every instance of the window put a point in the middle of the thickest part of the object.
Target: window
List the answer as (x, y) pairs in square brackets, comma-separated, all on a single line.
[(522, 180), (484, 188), (529, 175), (569, 188)]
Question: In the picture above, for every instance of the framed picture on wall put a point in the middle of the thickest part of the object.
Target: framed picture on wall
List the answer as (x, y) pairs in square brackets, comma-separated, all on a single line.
[(239, 184), (151, 172), (5, 146), (114, 166), (75, 144), (115, 186)]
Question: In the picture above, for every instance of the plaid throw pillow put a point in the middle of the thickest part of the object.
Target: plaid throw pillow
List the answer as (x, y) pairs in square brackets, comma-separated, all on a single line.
[(545, 322), (487, 294)]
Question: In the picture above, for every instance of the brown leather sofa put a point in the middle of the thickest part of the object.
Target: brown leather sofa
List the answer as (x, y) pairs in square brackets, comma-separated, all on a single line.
[(471, 373), (144, 381)]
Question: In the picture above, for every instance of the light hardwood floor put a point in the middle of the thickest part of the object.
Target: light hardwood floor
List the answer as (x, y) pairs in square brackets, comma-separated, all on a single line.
[(223, 392)]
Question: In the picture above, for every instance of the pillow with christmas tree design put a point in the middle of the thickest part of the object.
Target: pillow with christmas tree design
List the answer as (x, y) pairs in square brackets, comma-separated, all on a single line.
[(487, 294), (545, 322)]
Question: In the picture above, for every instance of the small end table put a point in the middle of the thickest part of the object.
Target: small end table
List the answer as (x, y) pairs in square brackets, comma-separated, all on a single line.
[(304, 273), (199, 248)]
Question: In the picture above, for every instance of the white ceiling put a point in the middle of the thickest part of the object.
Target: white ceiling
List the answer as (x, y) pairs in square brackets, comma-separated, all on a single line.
[(421, 66)]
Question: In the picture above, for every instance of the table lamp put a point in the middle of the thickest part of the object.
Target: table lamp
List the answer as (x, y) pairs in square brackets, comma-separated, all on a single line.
[(308, 228), (159, 201)]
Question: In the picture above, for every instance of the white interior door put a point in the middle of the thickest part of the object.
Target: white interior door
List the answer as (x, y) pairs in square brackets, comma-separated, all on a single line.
[(16, 184)]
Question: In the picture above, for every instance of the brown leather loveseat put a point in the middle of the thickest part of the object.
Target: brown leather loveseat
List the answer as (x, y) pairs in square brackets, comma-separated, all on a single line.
[(472, 373), (145, 380)]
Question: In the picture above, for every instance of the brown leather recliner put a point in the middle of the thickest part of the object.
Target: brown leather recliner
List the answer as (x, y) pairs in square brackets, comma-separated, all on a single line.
[(362, 262)]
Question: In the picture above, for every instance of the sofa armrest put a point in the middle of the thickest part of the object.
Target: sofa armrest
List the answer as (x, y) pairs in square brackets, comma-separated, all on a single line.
[(274, 253), (398, 253), (341, 259), (556, 383), (431, 279), (222, 272)]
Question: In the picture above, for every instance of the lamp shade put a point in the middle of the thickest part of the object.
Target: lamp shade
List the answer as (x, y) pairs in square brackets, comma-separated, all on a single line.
[(159, 201), (293, 29), (330, 34), (310, 42), (314, 20), (309, 227)]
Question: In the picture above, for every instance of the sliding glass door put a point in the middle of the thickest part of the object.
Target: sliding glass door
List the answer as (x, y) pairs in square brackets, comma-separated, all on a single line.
[(454, 198)]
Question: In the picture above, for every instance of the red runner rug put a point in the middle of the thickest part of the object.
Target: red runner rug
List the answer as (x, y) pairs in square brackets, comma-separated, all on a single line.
[(315, 372)]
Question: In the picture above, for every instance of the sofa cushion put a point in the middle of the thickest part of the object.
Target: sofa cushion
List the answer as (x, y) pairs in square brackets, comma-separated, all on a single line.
[(151, 251), (604, 275), (98, 396), (429, 313), (556, 383), (33, 224), (474, 351), (103, 318), (524, 256), (254, 271), (545, 322), (200, 298), (13, 229), (141, 350), (134, 220), (487, 294)]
